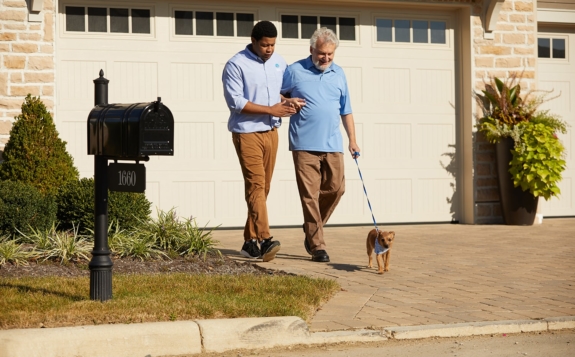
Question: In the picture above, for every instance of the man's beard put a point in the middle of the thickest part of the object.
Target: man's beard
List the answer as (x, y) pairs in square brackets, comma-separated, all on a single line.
[(322, 67)]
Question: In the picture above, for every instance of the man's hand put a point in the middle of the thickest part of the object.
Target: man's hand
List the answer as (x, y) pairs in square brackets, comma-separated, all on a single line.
[(354, 150), (296, 103), (282, 109)]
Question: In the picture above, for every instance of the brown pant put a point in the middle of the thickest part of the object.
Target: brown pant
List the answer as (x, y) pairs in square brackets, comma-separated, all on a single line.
[(321, 183), (257, 155)]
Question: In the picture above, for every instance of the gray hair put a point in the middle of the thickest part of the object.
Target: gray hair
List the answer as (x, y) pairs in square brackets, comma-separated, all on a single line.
[(326, 35)]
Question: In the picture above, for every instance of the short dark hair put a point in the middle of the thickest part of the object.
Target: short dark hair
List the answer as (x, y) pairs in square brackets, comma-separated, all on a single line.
[(264, 29)]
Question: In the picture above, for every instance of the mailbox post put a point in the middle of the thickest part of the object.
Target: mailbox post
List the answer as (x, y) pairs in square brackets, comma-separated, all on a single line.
[(120, 132), (101, 263)]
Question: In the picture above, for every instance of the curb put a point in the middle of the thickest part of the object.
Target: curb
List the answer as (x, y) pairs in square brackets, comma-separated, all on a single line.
[(220, 335), (480, 328)]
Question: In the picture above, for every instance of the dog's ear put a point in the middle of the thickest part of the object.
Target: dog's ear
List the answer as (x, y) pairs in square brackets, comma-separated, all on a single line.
[(392, 235)]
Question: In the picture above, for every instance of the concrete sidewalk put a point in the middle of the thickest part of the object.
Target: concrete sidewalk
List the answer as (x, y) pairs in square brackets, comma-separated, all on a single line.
[(439, 274)]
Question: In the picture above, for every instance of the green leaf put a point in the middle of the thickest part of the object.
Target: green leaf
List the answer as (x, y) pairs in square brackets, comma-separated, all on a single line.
[(500, 85)]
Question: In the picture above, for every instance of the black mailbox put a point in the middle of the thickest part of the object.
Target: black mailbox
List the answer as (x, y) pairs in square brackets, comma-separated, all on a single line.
[(131, 131)]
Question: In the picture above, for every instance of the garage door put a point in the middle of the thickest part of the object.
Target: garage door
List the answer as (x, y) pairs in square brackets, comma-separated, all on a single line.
[(400, 69), (556, 69)]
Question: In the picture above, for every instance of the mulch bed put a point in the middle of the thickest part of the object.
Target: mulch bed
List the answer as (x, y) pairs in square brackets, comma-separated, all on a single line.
[(212, 264)]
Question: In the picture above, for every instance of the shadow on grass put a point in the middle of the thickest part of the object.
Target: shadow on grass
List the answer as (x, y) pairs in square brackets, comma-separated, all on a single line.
[(27, 289)]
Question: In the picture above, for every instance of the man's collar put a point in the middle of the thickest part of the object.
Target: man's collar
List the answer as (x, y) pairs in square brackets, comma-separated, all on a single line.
[(252, 54)]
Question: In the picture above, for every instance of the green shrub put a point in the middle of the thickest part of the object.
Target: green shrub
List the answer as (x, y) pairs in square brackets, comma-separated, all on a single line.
[(58, 245), (34, 153), (76, 206), (23, 207)]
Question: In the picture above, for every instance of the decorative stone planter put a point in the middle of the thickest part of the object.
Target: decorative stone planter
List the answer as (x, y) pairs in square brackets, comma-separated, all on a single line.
[(517, 206)]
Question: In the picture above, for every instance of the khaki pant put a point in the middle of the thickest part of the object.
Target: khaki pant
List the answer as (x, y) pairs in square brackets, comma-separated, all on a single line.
[(257, 155), (321, 183)]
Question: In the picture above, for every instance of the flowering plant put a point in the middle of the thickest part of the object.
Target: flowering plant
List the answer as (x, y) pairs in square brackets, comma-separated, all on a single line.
[(538, 154)]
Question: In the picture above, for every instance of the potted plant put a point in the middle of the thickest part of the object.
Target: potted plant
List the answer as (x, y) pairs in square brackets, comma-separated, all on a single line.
[(530, 156)]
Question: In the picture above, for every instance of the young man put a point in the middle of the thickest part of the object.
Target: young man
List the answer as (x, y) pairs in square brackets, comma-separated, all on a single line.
[(252, 81), (315, 138)]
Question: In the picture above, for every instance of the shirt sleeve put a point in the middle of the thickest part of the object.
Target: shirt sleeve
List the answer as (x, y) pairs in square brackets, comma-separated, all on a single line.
[(234, 87), (344, 101), (287, 82)]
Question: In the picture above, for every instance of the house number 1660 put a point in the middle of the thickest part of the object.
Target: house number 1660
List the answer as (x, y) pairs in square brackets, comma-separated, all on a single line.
[(126, 178)]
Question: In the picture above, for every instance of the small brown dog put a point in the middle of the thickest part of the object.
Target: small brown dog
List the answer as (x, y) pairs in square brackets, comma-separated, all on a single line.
[(385, 240)]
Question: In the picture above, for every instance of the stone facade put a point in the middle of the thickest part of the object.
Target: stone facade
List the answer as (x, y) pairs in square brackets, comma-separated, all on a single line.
[(513, 49), (27, 66), (26, 59)]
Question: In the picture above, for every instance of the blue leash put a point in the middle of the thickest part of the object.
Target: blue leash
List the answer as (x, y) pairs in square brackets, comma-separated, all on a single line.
[(378, 248), (364, 190)]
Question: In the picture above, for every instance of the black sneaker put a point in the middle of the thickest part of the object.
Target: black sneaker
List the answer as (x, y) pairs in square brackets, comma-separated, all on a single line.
[(306, 243), (269, 249), (250, 250), (320, 256)]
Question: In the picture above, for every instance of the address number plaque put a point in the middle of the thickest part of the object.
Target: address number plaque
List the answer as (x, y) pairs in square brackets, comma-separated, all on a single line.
[(127, 177)]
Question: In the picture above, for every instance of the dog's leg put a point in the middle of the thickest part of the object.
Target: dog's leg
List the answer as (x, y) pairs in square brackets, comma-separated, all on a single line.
[(380, 263), (369, 249), (387, 260)]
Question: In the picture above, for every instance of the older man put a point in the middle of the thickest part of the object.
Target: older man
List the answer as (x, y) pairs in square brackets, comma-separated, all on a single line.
[(315, 138)]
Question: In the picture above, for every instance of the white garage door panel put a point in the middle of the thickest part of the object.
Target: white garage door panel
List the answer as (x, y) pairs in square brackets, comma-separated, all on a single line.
[(402, 96), (559, 75)]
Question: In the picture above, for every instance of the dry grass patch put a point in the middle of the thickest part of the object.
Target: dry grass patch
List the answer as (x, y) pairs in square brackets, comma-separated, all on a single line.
[(57, 301)]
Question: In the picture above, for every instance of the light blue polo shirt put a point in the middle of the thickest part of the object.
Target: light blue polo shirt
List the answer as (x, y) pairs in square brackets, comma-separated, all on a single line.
[(316, 126), (247, 78)]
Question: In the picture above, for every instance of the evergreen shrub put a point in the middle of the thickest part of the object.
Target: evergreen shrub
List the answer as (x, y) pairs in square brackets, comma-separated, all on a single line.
[(22, 207), (34, 153), (76, 206)]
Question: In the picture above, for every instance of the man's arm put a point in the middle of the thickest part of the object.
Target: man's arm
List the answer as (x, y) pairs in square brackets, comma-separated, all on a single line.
[(281, 109), (234, 95), (349, 125)]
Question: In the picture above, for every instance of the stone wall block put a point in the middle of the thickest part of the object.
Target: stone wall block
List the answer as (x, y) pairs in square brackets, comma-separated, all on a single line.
[(40, 62), (21, 4), (505, 27), (4, 47), (514, 38), (47, 49), (507, 6), (24, 48), (495, 50), (48, 4), (524, 51), (3, 83), (526, 28), (517, 18), (523, 6), (23, 91), (15, 62), (48, 27), (8, 36), (39, 77), (29, 36), (5, 127), (508, 62), (484, 61), (11, 104), (48, 91), (16, 77), (13, 15), (14, 26)]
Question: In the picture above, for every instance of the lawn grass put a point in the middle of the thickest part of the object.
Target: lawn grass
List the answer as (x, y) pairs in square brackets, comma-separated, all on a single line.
[(56, 301)]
